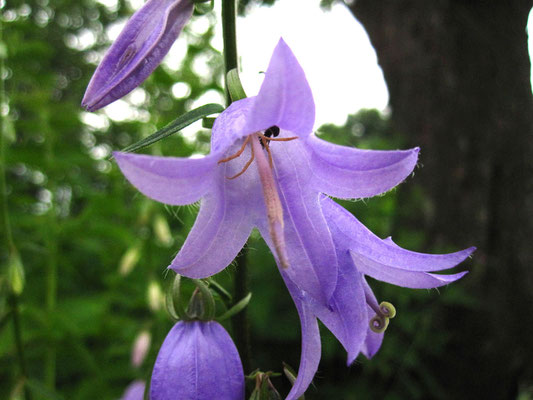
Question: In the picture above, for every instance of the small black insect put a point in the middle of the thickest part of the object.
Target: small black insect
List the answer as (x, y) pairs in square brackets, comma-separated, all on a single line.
[(272, 131)]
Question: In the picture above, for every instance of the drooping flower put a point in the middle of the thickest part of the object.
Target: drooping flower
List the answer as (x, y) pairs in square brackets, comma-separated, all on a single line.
[(134, 391), (267, 170), (353, 314), (199, 361), (138, 50)]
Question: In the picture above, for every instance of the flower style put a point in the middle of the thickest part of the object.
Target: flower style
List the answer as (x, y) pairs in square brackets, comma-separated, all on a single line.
[(138, 50), (199, 361), (268, 170)]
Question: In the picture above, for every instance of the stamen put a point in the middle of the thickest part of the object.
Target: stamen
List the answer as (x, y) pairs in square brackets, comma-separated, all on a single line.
[(270, 139), (245, 165), (238, 153)]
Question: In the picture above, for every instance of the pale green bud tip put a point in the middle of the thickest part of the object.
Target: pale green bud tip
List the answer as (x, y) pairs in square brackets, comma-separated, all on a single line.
[(15, 273)]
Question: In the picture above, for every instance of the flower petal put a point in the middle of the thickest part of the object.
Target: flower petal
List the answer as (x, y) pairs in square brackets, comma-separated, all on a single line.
[(170, 180), (285, 98), (230, 125), (138, 50), (226, 218), (346, 172), (346, 317), (311, 347), (312, 256), (373, 340), (360, 240), (219, 233), (401, 277), (199, 361)]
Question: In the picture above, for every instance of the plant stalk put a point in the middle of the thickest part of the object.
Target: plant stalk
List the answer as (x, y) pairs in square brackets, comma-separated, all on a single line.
[(241, 327)]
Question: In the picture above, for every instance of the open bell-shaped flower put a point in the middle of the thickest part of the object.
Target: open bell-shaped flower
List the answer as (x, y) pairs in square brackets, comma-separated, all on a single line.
[(197, 361), (267, 170), (138, 50)]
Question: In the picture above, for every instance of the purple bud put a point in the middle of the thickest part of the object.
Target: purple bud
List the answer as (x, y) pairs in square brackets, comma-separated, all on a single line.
[(140, 348), (199, 361), (135, 391), (138, 50)]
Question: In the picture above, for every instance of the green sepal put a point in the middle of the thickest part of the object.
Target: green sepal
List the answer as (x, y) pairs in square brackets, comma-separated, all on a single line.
[(175, 126), (207, 300), (237, 308), (291, 375), (234, 85), (264, 389), (217, 287), (173, 302)]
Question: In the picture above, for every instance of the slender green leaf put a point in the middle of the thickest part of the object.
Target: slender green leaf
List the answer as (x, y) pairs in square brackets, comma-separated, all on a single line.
[(175, 126)]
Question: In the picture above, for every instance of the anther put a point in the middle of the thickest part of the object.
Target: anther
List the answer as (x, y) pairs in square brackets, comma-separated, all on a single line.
[(272, 131)]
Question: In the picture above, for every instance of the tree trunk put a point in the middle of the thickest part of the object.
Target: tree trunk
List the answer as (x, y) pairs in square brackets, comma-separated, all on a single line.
[(458, 74)]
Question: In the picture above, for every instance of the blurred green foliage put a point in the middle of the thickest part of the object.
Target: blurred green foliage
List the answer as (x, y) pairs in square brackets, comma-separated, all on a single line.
[(95, 251)]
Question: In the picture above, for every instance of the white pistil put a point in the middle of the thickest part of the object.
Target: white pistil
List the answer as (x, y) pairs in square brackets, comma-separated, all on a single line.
[(272, 203)]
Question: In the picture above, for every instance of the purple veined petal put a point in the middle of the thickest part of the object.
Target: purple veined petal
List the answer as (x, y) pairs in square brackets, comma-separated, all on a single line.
[(230, 125), (199, 361), (346, 172), (170, 180), (402, 277), (138, 50), (134, 391), (285, 98), (219, 233), (346, 317), (311, 252), (373, 340), (226, 218), (360, 240), (311, 346)]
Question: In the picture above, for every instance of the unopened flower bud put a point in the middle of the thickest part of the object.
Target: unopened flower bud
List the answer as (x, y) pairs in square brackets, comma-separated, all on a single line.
[(140, 348)]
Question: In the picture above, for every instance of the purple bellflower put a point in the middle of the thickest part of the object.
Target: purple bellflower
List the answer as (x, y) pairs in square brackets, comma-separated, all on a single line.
[(197, 361), (267, 169), (138, 50), (135, 391)]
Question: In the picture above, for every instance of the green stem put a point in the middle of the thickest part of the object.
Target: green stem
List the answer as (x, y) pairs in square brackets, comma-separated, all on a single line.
[(241, 327), (17, 333), (50, 237), (229, 32)]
